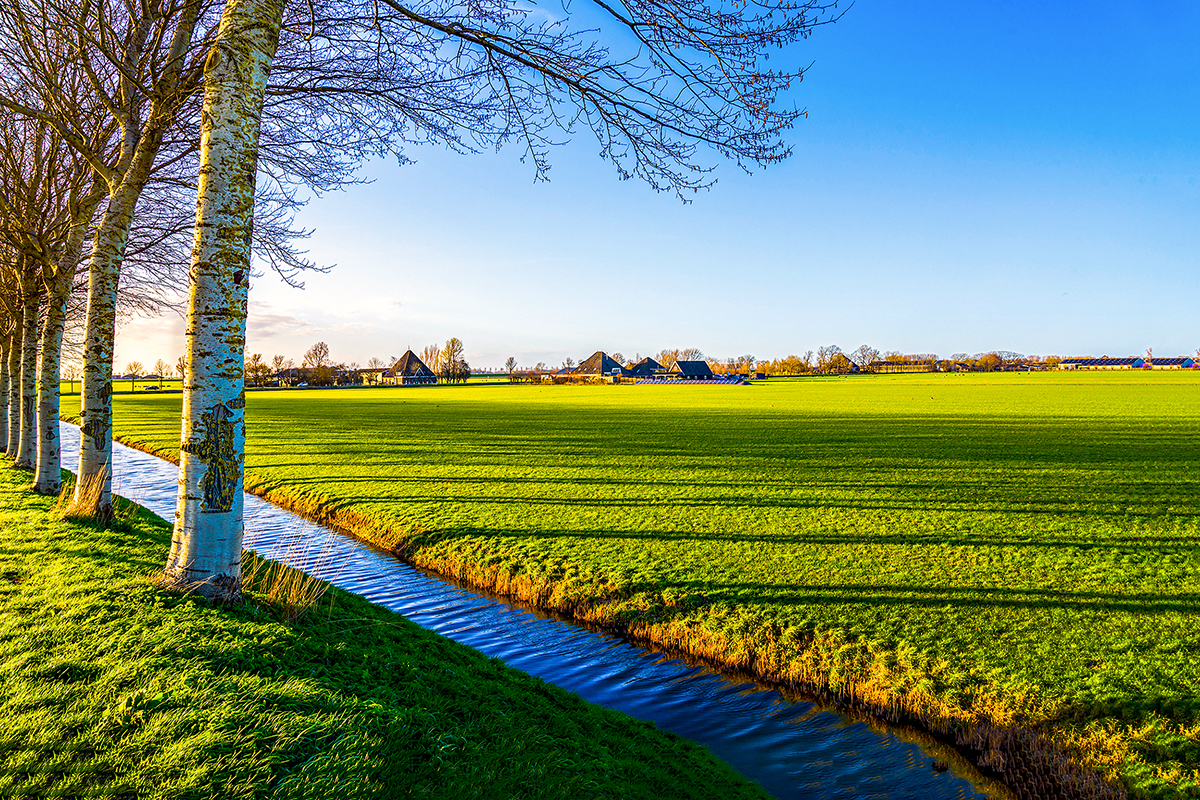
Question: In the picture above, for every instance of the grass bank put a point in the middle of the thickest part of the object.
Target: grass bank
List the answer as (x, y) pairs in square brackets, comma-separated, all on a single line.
[(1012, 559), (110, 687)]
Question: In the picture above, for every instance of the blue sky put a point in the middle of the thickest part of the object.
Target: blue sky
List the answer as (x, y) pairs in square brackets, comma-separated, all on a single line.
[(971, 176)]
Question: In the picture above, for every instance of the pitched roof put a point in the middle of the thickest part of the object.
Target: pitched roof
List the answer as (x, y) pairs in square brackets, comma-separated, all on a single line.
[(647, 366), (1104, 362), (1171, 362), (597, 364), (692, 369), (410, 366)]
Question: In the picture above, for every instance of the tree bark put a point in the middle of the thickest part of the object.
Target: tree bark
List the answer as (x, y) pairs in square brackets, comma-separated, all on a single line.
[(27, 441), (5, 345), (48, 474), (95, 388), (14, 393), (206, 546)]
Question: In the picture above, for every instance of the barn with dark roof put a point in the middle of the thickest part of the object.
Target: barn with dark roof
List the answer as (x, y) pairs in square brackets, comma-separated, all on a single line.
[(1171, 363), (1101, 363), (599, 363), (645, 368), (691, 370), (411, 371)]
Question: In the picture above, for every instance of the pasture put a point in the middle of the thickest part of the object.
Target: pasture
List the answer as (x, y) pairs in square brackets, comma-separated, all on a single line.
[(111, 687), (1015, 548)]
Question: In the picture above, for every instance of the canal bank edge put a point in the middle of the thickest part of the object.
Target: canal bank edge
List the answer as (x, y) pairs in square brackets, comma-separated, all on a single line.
[(1007, 743)]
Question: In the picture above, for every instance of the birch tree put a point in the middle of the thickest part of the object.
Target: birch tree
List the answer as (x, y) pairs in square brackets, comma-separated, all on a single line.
[(206, 545), (693, 78)]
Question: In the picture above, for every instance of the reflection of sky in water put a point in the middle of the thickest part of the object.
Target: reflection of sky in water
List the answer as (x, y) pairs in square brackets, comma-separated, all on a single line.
[(794, 749)]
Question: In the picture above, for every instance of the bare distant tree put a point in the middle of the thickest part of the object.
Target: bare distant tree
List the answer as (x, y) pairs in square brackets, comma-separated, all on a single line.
[(377, 363), (691, 354), (452, 367), (316, 361), (181, 368), (317, 356), (569, 363), (163, 369), (257, 370), (619, 358), (429, 357), (864, 355), (510, 366), (825, 357), (278, 363)]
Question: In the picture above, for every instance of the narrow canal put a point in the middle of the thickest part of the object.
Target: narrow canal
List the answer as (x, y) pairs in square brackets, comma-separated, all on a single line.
[(793, 748)]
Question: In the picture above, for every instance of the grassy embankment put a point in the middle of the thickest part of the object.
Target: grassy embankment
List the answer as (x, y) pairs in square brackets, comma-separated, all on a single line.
[(980, 553), (110, 687)]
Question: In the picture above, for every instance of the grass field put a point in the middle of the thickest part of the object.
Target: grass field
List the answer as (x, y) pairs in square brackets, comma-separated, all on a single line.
[(1011, 549), (112, 688)]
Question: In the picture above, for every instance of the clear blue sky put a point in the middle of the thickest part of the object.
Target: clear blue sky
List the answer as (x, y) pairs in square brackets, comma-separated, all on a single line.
[(971, 176)]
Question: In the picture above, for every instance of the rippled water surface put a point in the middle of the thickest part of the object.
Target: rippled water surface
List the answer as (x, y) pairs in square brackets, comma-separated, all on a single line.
[(794, 749)]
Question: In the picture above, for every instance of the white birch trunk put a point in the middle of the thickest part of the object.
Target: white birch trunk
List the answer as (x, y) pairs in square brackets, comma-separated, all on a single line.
[(48, 474), (5, 345), (95, 388), (206, 547), (27, 442), (14, 393)]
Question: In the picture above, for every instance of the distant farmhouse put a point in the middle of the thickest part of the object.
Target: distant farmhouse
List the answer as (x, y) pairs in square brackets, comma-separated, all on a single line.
[(1171, 363), (599, 367), (691, 370), (646, 368), (411, 371), (1101, 363)]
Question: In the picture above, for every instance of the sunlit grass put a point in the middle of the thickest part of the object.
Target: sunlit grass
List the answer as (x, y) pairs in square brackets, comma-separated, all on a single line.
[(111, 687), (1018, 546)]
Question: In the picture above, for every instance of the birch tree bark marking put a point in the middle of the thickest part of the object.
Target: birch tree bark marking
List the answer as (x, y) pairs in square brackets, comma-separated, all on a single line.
[(27, 440), (206, 546)]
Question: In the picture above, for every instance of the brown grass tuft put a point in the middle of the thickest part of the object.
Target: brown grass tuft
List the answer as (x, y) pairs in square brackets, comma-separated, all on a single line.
[(292, 592), (82, 504)]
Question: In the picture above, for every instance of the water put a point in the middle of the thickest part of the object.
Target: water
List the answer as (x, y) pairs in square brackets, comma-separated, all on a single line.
[(793, 748)]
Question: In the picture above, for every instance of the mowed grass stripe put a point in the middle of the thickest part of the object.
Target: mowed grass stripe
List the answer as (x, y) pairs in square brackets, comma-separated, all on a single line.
[(1019, 548)]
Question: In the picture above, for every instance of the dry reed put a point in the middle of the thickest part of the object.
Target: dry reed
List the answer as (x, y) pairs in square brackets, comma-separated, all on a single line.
[(291, 591), (81, 502)]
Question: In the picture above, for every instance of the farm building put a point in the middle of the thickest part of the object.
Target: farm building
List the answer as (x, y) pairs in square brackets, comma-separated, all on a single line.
[(645, 368), (599, 363), (373, 376), (691, 370), (411, 371), (1171, 363), (1102, 363)]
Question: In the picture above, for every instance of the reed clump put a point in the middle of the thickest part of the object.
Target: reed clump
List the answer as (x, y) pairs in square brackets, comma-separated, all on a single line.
[(80, 501), (291, 592)]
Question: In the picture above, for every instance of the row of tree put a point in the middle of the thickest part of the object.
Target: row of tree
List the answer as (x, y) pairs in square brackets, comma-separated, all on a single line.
[(133, 134)]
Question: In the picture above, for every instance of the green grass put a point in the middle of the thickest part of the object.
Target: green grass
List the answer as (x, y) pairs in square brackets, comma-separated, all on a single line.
[(1017, 547), (110, 687)]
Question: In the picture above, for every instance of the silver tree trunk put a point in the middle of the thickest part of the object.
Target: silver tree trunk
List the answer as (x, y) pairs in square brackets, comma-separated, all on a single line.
[(48, 475), (206, 547), (5, 345), (14, 394), (27, 443), (95, 388)]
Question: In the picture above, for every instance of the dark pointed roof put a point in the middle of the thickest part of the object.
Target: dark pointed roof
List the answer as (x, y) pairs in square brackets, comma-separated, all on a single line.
[(598, 363), (692, 369), (409, 366), (647, 366)]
